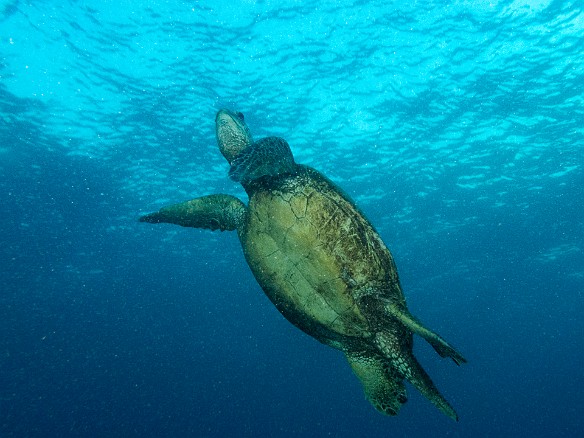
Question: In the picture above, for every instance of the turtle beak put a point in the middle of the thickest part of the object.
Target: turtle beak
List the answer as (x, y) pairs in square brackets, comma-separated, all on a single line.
[(233, 135)]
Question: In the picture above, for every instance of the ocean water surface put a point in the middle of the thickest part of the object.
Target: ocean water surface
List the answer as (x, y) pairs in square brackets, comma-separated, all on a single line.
[(457, 126)]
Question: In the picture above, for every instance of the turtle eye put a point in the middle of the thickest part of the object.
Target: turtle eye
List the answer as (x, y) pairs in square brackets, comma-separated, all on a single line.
[(240, 115)]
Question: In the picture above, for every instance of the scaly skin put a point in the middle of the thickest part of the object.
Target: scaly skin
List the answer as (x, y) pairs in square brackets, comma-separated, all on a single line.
[(320, 262)]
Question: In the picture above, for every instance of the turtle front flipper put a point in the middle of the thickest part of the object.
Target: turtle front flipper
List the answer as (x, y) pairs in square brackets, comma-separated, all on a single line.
[(213, 212), (443, 348), (383, 388)]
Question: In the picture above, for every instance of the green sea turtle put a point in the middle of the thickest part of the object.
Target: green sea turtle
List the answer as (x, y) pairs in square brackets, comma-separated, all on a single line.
[(319, 260)]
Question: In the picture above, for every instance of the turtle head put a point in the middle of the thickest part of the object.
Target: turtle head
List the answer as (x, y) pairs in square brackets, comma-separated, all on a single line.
[(233, 135)]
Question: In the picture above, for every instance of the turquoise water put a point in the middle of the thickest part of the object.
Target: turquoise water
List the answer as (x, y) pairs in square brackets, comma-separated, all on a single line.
[(458, 128)]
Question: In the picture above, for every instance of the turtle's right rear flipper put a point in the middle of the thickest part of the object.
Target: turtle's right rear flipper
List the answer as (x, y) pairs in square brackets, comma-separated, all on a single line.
[(213, 212), (406, 366), (383, 387), (443, 348)]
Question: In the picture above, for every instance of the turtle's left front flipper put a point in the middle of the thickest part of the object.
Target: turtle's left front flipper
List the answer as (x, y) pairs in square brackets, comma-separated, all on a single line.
[(443, 348), (213, 212)]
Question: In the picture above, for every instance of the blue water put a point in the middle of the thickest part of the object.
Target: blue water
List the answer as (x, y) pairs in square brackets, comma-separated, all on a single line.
[(458, 128)]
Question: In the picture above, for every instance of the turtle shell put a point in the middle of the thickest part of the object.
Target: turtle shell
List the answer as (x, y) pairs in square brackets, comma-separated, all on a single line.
[(315, 255)]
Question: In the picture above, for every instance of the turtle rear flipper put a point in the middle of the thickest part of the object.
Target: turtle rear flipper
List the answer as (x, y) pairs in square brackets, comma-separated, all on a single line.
[(213, 212), (443, 348), (384, 389), (406, 366)]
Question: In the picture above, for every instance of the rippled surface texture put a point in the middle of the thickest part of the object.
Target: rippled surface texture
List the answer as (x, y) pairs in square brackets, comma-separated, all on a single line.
[(458, 127)]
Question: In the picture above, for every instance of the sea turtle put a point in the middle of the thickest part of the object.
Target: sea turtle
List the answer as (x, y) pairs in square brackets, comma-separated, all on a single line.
[(319, 260)]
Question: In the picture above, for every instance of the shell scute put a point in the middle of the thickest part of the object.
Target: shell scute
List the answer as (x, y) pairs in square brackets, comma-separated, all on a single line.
[(298, 243)]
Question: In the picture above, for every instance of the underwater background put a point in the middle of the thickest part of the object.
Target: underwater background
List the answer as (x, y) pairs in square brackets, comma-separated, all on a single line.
[(457, 126)]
